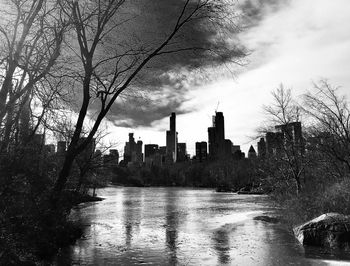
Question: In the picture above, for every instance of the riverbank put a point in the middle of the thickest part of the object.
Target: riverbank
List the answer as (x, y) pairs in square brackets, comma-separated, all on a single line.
[(313, 201), (36, 237)]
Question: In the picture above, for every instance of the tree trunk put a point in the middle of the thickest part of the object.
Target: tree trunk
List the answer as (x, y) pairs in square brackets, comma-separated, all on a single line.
[(64, 173)]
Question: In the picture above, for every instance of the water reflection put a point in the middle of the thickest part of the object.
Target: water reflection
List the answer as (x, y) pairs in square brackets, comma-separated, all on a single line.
[(132, 208), (176, 226), (171, 226), (222, 245)]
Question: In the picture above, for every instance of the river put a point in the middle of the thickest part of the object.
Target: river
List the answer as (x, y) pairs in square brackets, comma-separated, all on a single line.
[(183, 226)]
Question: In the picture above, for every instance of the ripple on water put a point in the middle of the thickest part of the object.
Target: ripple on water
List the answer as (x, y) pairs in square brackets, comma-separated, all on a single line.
[(179, 226)]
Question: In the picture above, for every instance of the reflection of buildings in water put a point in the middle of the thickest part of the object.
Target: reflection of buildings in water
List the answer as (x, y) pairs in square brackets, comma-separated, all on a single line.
[(131, 215), (222, 245), (172, 222)]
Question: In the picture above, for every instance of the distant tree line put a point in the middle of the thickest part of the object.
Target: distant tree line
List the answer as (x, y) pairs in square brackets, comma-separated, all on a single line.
[(231, 174)]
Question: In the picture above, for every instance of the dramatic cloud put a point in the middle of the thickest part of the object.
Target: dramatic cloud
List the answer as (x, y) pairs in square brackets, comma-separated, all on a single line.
[(161, 87), (293, 42), (142, 110)]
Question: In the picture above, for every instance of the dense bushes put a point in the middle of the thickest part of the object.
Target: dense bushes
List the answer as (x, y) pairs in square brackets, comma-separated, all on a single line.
[(314, 201), (31, 228)]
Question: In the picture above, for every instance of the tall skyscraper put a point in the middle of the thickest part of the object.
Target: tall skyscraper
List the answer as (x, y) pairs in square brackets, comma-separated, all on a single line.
[(133, 150), (218, 147), (213, 149), (219, 127), (171, 140), (129, 148)]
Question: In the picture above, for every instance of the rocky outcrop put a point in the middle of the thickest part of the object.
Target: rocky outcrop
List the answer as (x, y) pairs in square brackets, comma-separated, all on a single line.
[(330, 230)]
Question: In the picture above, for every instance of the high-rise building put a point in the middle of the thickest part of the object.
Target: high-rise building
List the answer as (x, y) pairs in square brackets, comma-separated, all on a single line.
[(227, 149), (153, 155), (181, 152), (129, 148), (162, 152), (292, 135), (262, 148), (219, 147), (137, 155), (171, 140), (151, 149), (201, 151), (219, 125), (274, 142), (133, 150), (213, 149)]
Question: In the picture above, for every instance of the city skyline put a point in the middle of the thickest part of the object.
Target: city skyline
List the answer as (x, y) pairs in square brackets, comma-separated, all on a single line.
[(216, 144), (287, 53)]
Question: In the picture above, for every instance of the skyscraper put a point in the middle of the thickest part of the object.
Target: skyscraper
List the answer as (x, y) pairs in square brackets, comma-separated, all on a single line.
[(133, 150), (262, 148), (171, 140), (216, 137), (129, 148), (292, 135), (274, 143), (201, 151), (150, 150), (181, 152), (213, 149)]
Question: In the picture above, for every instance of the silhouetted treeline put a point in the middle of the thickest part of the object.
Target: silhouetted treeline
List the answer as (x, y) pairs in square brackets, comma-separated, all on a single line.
[(233, 174)]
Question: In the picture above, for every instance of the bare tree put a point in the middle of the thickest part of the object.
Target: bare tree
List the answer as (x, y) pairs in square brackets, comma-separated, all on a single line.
[(330, 121), (32, 34), (283, 109), (104, 74), (282, 113)]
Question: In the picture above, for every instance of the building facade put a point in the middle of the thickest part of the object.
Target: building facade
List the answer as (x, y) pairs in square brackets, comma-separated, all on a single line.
[(171, 140)]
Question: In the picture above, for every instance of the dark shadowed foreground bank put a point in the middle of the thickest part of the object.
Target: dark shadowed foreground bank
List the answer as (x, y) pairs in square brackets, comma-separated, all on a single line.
[(180, 226)]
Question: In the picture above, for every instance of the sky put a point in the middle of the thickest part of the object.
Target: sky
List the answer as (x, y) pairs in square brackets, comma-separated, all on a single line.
[(292, 42)]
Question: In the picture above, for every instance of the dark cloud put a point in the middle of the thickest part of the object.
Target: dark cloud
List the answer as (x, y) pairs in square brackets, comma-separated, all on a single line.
[(164, 82), (168, 77), (138, 111)]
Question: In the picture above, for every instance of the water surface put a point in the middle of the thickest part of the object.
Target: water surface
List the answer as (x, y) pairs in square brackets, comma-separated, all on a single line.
[(180, 226)]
